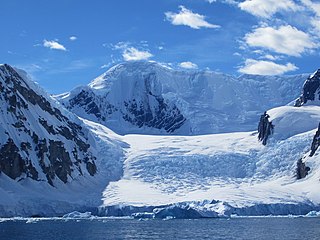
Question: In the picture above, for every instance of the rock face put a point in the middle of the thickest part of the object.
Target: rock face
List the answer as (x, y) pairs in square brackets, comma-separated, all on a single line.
[(38, 140), (149, 98), (150, 111), (136, 102), (310, 90), (265, 128), (302, 170), (315, 142)]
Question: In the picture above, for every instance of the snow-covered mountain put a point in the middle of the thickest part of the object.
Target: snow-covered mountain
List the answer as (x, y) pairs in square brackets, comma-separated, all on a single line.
[(37, 139), (45, 149), (225, 174), (158, 176), (149, 98)]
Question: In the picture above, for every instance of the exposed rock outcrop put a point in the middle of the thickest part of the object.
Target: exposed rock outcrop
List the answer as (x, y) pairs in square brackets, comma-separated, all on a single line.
[(37, 140), (310, 90), (161, 116), (302, 170), (315, 142), (139, 104), (265, 128), (11, 163), (92, 104)]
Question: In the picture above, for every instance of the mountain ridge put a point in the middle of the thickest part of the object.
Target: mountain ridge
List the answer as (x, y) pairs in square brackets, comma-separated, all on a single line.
[(39, 138), (208, 102)]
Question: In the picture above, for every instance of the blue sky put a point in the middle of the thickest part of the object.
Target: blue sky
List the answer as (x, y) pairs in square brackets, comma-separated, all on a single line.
[(66, 43)]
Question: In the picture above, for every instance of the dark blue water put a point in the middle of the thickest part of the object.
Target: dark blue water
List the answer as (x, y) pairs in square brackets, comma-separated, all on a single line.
[(244, 228)]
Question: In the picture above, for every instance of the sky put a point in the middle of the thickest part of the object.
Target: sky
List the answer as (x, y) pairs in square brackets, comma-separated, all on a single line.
[(66, 43)]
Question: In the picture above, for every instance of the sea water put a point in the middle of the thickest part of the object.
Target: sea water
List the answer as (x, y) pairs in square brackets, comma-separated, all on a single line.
[(96, 229)]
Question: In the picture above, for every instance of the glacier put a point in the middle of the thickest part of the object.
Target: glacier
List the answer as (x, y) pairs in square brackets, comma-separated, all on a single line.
[(233, 169), (191, 172)]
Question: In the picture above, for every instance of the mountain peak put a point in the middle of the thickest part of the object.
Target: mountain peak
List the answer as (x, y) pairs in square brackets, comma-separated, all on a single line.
[(5, 65), (7, 69), (311, 91), (148, 97), (141, 64), (316, 74), (129, 68)]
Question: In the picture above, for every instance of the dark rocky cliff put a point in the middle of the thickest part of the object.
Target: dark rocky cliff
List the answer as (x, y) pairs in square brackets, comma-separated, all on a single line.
[(310, 91), (302, 169), (142, 107), (37, 139), (315, 142), (265, 128)]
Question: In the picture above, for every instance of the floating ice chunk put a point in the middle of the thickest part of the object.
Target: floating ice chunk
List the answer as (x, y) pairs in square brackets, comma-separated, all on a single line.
[(313, 214), (179, 212), (140, 215), (32, 220), (76, 215), (168, 218)]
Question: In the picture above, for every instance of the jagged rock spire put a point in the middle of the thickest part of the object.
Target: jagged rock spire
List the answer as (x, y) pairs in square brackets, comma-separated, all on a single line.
[(310, 90), (265, 128)]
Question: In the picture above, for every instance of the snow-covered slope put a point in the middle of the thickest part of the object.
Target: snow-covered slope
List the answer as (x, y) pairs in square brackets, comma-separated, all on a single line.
[(48, 156), (226, 174), (210, 175), (289, 121), (148, 98), (300, 117)]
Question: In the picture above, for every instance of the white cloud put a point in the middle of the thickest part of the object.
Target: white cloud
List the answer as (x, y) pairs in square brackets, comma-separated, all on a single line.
[(315, 23), (188, 18), (232, 2), (133, 54), (258, 51), (270, 57), (266, 67), (188, 65), (266, 8), (105, 66), (285, 39), (315, 7), (314, 20), (73, 38), (130, 53), (53, 45), (120, 45)]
